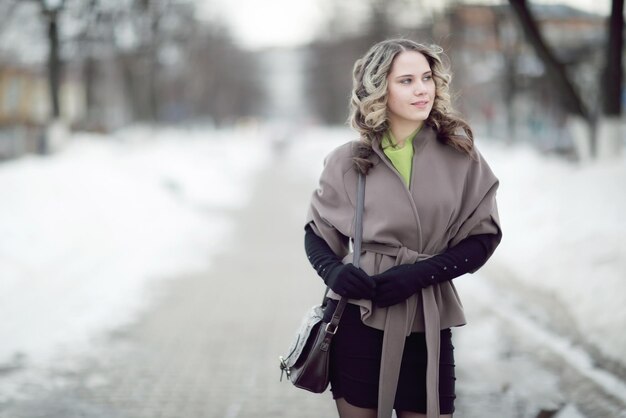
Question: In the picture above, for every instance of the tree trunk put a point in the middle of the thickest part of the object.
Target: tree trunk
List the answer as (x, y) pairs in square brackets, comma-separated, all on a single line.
[(153, 69), (89, 77), (555, 70), (54, 63), (613, 74), (609, 135)]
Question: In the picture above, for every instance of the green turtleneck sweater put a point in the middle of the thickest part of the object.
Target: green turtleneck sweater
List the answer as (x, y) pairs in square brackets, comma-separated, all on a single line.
[(400, 157)]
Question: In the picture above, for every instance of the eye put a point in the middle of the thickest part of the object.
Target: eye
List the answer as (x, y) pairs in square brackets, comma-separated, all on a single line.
[(405, 81), (428, 77)]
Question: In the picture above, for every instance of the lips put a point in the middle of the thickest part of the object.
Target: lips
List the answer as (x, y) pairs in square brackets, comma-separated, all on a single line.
[(420, 104)]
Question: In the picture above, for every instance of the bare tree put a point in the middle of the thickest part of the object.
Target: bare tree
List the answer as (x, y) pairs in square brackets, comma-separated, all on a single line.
[(555, 69), (50, 11), (613, 72), (222, 81), (611, 80), (147, 60), (331, 59)]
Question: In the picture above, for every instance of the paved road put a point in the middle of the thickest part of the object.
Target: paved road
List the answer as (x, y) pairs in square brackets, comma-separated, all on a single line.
[(208, 346)]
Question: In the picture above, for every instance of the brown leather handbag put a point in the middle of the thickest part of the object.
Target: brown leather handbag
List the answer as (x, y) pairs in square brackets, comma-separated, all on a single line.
[(307, 364)]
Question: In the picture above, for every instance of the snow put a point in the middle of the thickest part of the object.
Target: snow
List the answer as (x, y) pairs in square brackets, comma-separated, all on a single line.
[(564, 230), (508, 380), (511, 312), (569, 411), (87, 231)]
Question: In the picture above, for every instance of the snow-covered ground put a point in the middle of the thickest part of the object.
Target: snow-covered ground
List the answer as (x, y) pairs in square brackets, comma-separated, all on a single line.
[(564, 230), (87, 232)]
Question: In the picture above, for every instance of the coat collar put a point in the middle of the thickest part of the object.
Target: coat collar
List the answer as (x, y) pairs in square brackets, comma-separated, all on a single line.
[(425, 135)]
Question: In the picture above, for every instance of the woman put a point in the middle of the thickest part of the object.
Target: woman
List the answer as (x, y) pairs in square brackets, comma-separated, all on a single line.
[(430, 216)]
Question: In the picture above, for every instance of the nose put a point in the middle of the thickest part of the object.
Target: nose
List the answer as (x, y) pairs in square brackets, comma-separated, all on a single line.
[(420, 89)]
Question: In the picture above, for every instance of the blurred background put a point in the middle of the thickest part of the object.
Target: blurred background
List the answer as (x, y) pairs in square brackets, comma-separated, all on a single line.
[(156, 162)]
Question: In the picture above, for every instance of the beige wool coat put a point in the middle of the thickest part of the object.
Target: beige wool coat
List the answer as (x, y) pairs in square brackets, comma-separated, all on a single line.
[(451, 196)]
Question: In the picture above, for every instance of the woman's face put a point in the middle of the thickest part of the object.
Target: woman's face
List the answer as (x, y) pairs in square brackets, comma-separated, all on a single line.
[(410, 91)]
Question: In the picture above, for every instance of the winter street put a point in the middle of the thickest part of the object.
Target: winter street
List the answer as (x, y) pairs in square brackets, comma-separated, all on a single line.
[(157, 163), (200, 335)]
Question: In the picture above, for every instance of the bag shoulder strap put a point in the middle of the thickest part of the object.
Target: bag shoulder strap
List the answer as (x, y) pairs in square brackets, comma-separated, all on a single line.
[(356, 259)]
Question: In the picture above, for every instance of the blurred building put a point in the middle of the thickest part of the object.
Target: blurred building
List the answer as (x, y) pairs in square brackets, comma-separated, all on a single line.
[(502, 85), (25, 107)]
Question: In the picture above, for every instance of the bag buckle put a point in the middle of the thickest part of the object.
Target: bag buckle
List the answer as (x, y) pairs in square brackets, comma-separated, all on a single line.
[(332, 330), (284, 368)]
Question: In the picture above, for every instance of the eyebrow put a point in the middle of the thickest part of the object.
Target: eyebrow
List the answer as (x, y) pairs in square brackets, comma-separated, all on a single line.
[(411, 75)]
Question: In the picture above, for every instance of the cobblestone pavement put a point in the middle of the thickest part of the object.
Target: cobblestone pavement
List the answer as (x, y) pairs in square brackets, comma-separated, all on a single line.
[(208, 346)]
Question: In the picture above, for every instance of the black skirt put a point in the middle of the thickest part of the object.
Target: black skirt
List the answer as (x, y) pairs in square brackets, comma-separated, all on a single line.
[(355, 366)]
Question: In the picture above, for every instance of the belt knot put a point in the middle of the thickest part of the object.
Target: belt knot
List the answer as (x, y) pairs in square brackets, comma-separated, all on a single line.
[(403, 254)]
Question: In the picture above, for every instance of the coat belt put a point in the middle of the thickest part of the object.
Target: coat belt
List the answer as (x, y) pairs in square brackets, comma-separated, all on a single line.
[(398, 324)]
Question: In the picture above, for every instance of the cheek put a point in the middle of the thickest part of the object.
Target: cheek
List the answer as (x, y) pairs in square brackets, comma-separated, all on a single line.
[(393, 101), (432, 90), (392, 95), (392, 98)]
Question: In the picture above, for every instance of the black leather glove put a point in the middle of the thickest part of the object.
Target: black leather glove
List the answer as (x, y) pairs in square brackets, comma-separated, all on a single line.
[(401, 282), (344, 279), (351, 282)]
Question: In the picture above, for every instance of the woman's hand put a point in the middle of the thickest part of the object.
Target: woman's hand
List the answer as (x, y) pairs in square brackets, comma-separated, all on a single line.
[(397, 284), (351, 282)]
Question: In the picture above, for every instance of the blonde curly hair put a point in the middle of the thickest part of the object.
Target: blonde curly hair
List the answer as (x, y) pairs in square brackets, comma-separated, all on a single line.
[(368, 103)]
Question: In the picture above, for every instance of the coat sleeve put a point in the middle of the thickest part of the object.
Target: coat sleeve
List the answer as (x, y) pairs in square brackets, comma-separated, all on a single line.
[(331, 210), (479, 212)]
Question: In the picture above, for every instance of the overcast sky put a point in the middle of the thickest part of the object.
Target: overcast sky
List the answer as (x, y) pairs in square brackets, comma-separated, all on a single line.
[(263, 23)]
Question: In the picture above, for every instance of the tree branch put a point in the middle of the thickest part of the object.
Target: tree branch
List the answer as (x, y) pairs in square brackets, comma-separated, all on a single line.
[(555, 70)]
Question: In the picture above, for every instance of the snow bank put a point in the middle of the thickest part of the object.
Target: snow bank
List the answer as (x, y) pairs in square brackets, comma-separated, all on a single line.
[(86, 231), (564, 230)]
